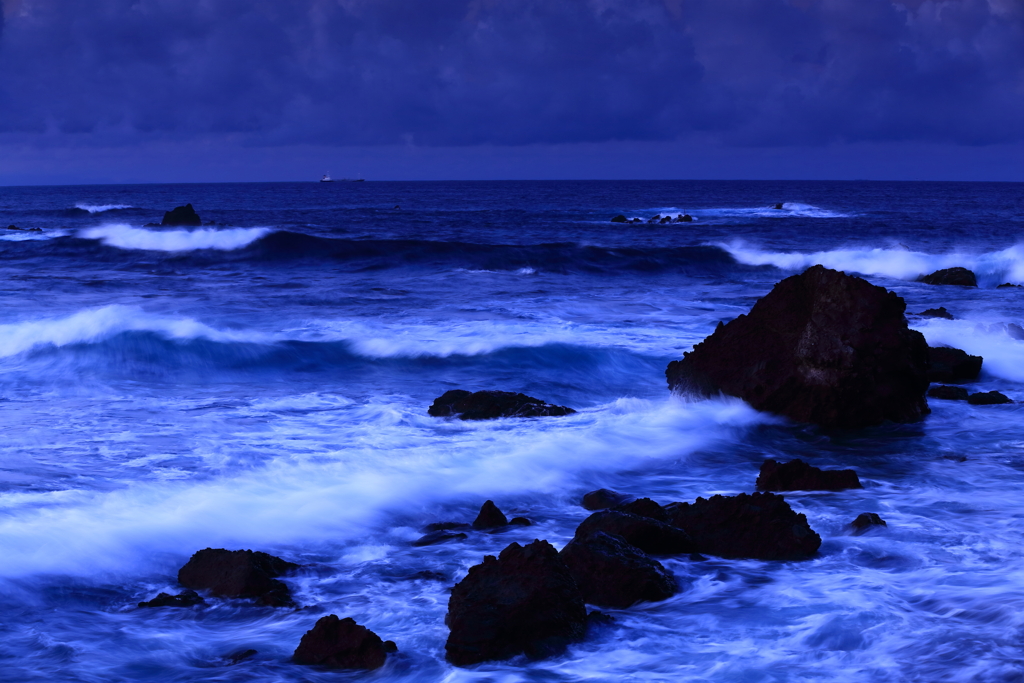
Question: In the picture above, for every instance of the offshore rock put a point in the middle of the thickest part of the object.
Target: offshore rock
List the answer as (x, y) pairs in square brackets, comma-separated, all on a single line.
[(620, 219), (184, 599), (342, 644), (988, 398), (759, 526), (489, 405), (939, 312), (649, 535), (490, 517), (613, 573), (440, 536), (948, 393), (950, 276), (796, 475), (946, 364), (865, 521), (181, 215), (685, 218), (602, 499), (523, 601), (238, 574), (821, 347)]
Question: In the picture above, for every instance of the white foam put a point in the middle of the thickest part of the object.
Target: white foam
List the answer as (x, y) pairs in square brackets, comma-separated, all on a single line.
[(129, 237), (100, 208), (1004, 355)]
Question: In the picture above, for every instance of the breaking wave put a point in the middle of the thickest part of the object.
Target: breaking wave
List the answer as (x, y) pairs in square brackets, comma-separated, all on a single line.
[(101, 208), (129, 237)]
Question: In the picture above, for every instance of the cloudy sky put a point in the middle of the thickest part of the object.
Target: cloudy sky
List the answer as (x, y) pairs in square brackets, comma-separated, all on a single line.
[(151, 90)]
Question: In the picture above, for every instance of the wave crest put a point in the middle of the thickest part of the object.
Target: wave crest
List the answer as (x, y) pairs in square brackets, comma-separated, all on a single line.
[(101, 208), (129, 237)]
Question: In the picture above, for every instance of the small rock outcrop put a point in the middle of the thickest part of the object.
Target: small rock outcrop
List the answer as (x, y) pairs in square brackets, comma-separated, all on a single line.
[(759, 526), (685, 218), (342, 644), (490, 517), (238, 574), (865, 521), (988, 398), (1007, 285), (184, 599), (949, 365), (181, 215), (613, 573), (523, 601), (948, 393), (489, 405), (822, 347), (950, 276), (602, 499), (649, 535), (440, 536), (939, 312), (620, 219), (796, 475)]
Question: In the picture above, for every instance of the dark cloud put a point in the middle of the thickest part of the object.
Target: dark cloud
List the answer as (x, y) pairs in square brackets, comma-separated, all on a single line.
[(509, 72)]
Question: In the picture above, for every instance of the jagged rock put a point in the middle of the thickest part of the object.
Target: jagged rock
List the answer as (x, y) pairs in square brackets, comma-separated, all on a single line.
[(946, 364), (988, 398), (685, 218), (488, 405), (184, 599), (649, 535), (644, 507), (238, 574), (523, 601), (656, 219), (519, 521), (939, 312), (490, 517), (620, 219), (666, 219), (602, 499), (342, 644), (760, 526), (948, 393), (865, 521), (950, 276), (181, 215), (435, 537), (821, 347), (796, 475), (636, 220), (613, 573)]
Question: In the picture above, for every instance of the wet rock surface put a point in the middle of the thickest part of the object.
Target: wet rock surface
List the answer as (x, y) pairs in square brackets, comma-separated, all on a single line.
[(949, 365), (490, 517), (613, 573), (342, 644), (758, 526), (523, 601), (948, 393), (988, 398), (181, 215), (647, 534), (238, 574), (950, 276), (822, 347), (866, 521), (188, 598), (644, 507), (490, 405), (602, 499), (796, 475)]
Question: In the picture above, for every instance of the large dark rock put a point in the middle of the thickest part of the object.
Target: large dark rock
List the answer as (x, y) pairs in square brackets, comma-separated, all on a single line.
[(948, 393), (613, 573), (796, 475), (821, 347), (988, 398), (181, 215), (238, 574), (644, 507), (602, 499), (488, 405), (649, 535), (523, 601), (183, 599), (950, 276), (760, 526), (342, 644), (951, 365), (490, 517)]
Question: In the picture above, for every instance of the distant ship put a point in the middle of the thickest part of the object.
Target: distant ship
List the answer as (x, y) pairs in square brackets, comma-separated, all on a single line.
[(327, 178)]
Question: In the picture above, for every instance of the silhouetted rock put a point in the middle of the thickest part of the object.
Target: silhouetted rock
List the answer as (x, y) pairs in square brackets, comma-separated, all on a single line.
[(519, 521), (821, 347), (656, 219), (183, 599), (447, 526), (865, 521), (238, 574), (602, 499), (778, 206), (796, 475), (636, 220), (644, 507), (947, 364), (948, 393), (435, 537), (341, 644), (241, 655), (760, 526), (649, 535), (988, 398), (950, 276), (613, 573), (939, 312), (666, 219), (523, 601), (490, 517), (685, 218), (1007, 285), (620, 219), (488, 405), (181, 215)]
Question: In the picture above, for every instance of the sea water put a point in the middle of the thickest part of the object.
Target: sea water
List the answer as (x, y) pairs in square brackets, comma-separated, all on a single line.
[(262, 382)]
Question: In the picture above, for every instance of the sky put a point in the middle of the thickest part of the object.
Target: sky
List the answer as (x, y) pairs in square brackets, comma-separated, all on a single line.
[(249, 90)]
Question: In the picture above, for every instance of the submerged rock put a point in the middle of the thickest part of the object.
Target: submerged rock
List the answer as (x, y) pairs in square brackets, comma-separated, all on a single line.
[(796, 475), (939, 312), (950, 276), (948, 393), (988, 398), (490, 517), (759, 526), (778, 206), (238, 574), (613, 573), (865, 521), (649, 535), (523, 601), (620, 219), (342, 644), (489, 405), (821, 347), (181, 215), (602, 499), (186, 598), (440, 536), (946, 364), (1007, 285)]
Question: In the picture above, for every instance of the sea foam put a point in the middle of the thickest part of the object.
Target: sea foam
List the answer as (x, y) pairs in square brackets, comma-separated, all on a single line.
[(100, 208), (130, 237)]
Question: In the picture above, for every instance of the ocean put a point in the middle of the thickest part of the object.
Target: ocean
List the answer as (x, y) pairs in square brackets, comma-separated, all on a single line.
[(263, 382)]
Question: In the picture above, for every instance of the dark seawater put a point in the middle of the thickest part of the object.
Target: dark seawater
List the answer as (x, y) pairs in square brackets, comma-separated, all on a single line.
[(263, 383)]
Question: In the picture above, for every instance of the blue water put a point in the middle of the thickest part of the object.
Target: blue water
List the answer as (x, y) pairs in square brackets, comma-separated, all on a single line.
[(263, 382)]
